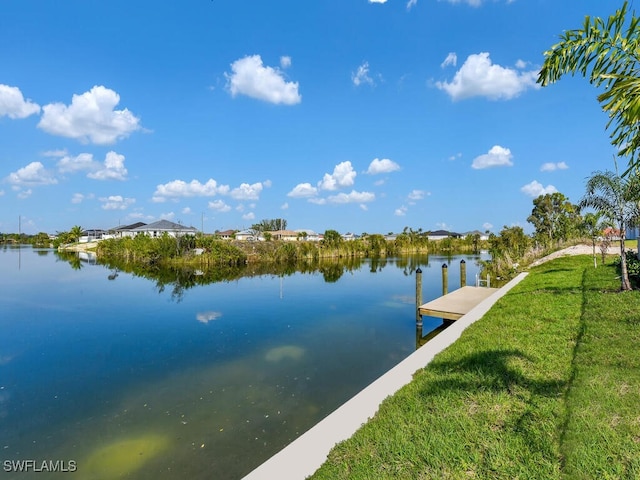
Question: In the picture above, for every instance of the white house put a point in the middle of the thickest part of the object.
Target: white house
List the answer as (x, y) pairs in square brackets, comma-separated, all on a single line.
[(159, 228)]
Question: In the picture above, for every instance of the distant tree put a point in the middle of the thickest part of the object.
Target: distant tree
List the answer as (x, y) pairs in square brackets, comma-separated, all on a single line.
[(617, 199), (270, 225), (593, 228), (76, 233), (554, 218), (607, 52), (332, 238)]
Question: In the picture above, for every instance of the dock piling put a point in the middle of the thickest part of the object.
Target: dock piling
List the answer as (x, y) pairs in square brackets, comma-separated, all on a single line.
[(445, 279), (418, 297), (463, 273)]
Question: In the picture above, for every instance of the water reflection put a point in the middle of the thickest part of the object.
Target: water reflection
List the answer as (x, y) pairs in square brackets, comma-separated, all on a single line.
[(99, 368)]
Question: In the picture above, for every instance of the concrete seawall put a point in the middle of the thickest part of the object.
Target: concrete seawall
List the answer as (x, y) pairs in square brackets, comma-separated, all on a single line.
[(308, 452)]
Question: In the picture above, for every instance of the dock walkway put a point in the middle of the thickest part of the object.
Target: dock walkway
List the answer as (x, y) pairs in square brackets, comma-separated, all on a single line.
[(454, 305)]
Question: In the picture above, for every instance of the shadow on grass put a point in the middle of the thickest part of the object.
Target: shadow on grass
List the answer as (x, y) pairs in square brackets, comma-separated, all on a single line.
[(494, 370)]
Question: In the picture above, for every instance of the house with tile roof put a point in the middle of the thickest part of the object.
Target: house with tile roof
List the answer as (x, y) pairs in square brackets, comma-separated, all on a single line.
[(159, 228)]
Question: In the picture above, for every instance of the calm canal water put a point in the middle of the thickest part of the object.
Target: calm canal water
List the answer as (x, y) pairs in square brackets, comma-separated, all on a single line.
[(129, 380)]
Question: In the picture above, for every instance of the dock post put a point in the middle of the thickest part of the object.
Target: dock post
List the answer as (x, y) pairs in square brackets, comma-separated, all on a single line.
[(463, 273), (445, 279), (418, 298)]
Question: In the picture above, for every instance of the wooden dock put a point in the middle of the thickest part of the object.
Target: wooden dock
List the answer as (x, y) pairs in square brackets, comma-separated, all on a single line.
[(455, 304)]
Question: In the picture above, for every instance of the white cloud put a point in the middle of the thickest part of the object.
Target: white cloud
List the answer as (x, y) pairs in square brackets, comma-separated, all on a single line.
[(90, 118), (284, 206), (25, 193), (521, 64), (84, 161), (377, 1), (317, 201), (219, 206), (116, 202), (303, 190), (382, 166), (285, 61), (249, 216), (452, 59), (343, 176), (206, 317), (79, 197), (401, 212), (55, 153), (254, 80), (550, 166), (535, 189), (417, 195), (180, 188), (487, 226), (353, 197), (443, 226), (479, 77), (113, 169), (411, 4), (186, 211), (168, 215), (13, 104), (497, 157), (247, 192), (361, 75), (31, 175)]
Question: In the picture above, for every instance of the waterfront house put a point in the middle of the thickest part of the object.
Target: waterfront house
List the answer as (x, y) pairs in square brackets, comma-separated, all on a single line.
[(125, 230), (159, 228), (442, 234), (286, 235), (226, 234), (247, 236)]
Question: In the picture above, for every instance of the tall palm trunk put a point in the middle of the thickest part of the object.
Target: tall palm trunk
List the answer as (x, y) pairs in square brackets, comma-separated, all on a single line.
[(624, 273)]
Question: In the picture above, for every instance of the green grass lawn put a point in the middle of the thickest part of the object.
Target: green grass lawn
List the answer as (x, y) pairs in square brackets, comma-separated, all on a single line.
[(546, 385)]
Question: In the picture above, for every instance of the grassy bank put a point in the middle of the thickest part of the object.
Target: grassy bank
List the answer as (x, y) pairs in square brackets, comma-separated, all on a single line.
[(545, 385)]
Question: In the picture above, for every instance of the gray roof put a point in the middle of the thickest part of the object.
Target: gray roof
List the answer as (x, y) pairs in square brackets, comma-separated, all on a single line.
[(120, 228), (164, 225)]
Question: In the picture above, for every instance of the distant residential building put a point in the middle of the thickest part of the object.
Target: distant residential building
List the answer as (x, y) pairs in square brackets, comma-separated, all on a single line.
[(348, 237), (125, 230), (308, 235), (442, 234), (247, 235), (286, 235), (159, 228), (91, 235), (226, 234), (483, 236)]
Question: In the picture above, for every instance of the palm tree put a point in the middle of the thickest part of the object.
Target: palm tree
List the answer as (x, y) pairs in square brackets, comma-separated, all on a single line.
[(607, 53), (592, 226), (617, 199), (76, 232)]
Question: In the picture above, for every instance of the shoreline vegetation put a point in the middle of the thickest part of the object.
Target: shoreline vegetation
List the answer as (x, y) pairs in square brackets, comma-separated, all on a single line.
[(545, 385)]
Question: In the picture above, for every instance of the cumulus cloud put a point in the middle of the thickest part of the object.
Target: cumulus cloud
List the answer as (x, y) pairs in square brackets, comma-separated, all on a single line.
[(535, 189), (90, 118), (111, 169), (452, 59), (249, 216), (353, 197), (251, 78), (382, 166), (303, 190), (219, 206), (116, 202), (14, 105), (248, 192), (343, 176), (550, 166), (401, 211), (33, 174), (285, 61), (497, 157), (417, 195), (180, 188), (411, 4), (79, 197), (361, 75), (479, 77)]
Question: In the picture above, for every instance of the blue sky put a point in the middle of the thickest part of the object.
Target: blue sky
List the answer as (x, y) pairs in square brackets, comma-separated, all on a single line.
[(354, 115)]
